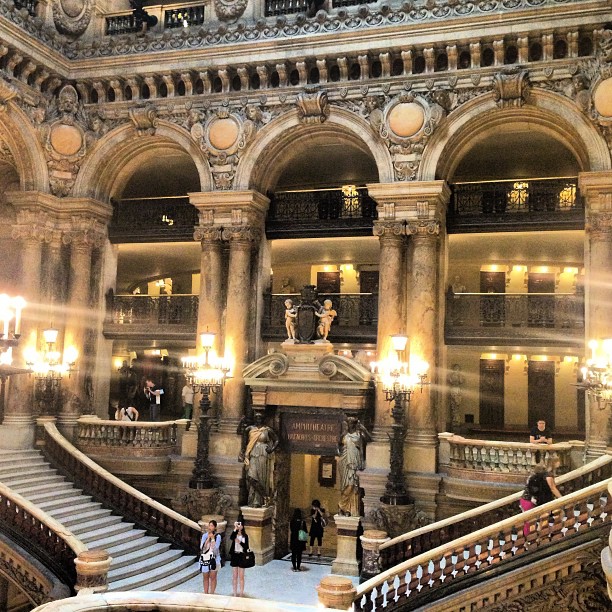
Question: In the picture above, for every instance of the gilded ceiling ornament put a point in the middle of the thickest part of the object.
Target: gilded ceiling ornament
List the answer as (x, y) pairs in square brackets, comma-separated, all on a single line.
[(72, 17), (511, 88), (229, 10)]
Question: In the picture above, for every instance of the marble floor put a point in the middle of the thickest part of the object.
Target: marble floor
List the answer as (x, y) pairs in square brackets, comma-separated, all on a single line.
[(274, 581)]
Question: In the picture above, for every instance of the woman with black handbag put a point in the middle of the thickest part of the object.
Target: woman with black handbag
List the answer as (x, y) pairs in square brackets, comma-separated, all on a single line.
[(210, 557), (299, 536), (239, 557)]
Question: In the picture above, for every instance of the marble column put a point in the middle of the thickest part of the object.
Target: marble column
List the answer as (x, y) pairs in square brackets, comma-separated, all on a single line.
[(596, 187), (239, 304), (17, 429), (390, 302), (423, 317), (78, 314), (210, 307)]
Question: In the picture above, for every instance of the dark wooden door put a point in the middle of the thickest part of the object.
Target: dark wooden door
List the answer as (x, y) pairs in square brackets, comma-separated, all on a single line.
[(328, 282), (541, 392), (541, 311), (368, 304), (492, 308), (492, 373)]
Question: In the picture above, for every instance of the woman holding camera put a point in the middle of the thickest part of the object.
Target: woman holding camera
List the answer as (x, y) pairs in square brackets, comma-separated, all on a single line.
[(210, 557), (240, 544)]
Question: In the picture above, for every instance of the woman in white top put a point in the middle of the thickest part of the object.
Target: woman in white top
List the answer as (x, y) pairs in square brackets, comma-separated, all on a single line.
[(126, 414), (210, 549)]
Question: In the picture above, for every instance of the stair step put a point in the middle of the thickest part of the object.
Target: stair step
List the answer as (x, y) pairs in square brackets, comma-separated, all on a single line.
[(65, 505), (24, 484), (88, 515), (8, 461), (129, 557), (94, 524), (98, 538), (145, 565), (19, 453), (165, 576), (25, 470), (173, 580), (123, 548), (56, 494)]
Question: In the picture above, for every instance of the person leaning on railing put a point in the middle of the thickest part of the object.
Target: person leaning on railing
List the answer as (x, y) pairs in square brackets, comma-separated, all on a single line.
[(540, 434), (540, 487)]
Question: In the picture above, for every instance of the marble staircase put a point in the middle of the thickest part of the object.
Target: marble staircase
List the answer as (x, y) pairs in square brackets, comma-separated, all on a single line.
[(140, 562)]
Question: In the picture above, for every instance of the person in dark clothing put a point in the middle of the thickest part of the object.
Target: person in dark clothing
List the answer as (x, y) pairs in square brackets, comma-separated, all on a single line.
[(540, 488), (540, 434), (317, 525), (297, 546), (240, 544)]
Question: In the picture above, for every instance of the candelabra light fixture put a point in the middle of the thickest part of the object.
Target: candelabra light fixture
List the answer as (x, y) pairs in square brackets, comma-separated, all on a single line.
[(10, 315), (597, 373), (51, 365), (205, 373), (398, 380)]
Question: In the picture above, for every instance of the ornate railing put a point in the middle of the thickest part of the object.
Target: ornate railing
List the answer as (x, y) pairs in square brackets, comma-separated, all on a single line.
[(122, 434), (415, 542), (357, 314), (29, 5), (184, 17), (120, 24), (435, 569), (41, 535), (119, 496), (153, 219), (475, 459), (517, 201), (153, 310), (321, 212), (286, 7)]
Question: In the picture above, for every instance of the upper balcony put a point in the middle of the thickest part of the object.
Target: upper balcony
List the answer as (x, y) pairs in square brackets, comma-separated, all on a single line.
[(347, 211), (551, 319), (516, 205)]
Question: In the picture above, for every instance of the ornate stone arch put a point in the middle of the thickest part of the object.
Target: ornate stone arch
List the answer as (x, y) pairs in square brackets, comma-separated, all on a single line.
[(21, 140), (547, 112), (105, 166), (257, 168)]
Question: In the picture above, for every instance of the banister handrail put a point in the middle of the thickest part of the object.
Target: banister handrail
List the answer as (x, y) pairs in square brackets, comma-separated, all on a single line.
[(141, 423), (189, 532), (508, 444), (489, 532), (37, 529), (494, 505)]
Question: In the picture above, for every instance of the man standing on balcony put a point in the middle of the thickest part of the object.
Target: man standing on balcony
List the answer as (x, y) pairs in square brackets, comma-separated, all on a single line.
[(153, 394), (540, 435)]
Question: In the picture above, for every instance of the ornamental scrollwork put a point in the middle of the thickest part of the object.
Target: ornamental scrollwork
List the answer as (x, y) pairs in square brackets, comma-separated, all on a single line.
[(511, 88), (313, 106), (72, 17), (144, 119)]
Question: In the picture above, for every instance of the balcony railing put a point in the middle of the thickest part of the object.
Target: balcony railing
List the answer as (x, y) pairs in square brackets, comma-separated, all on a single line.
[(330, 212), (285, 7), (153, 310), (550, 203), (137, 435), (514, 315), (357, 315), (153, 220), (184, 17)]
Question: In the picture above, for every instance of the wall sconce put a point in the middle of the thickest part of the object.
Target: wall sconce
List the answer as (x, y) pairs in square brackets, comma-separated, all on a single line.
[(597, 374)]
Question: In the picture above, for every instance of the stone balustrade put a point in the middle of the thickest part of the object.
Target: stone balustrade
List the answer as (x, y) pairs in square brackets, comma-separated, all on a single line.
[(413, 543), (41, 535), (416, 580), (160, 437), (606, 557), (497, 461), (114, 493)]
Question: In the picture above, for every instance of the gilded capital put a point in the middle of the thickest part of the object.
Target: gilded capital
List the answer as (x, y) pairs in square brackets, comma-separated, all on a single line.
[(423, 228), (599, 226), (208, 233), (387, 229), (85, 233), (240, 233)]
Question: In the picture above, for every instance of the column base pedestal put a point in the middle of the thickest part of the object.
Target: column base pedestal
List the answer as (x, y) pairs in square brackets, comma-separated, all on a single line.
[(258, 525), (346, 562), (16, 436)]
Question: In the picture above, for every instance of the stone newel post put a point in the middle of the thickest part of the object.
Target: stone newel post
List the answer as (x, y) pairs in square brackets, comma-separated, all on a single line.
[(371, 541), (92, 571)]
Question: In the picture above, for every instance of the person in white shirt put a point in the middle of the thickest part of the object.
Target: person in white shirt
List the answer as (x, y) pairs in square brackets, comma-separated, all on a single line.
[(187, 395)]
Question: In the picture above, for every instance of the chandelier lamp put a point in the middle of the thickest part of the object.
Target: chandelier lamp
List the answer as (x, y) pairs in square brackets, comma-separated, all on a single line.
[(597, 373), (398, 380), (10, 317), (50, 366), (205, 373)]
